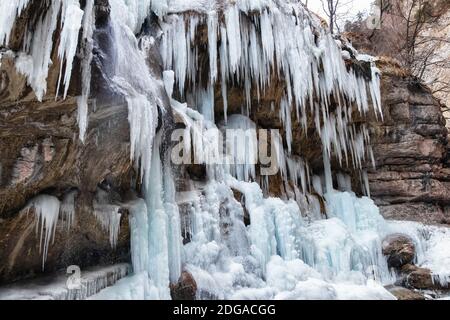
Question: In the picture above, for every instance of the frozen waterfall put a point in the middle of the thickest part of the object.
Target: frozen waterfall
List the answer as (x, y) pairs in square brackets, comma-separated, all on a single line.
[(292, 247)]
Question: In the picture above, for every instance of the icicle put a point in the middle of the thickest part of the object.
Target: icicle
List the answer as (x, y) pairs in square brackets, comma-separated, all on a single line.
[(365, 178), (158, 264), (297, 171), (82, 101), (180, 53), (317, 185), (174, 226), (142, 130), (132, 78), (205, 103), (169, 80), (108, 216), (71, 19), (46, 209), (327, 173), (9, 11), (285, 115), (35, 66), (232, 20), (344, 182), (212, 46), (242, 147), (224, 70), (139, 235), (67, 209)]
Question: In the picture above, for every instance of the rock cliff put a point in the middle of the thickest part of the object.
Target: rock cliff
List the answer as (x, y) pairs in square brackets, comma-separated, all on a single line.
[(412, 178), (40, 153)]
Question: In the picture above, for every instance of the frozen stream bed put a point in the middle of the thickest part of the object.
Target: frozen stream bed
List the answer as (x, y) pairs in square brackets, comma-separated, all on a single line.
[(57, 287)]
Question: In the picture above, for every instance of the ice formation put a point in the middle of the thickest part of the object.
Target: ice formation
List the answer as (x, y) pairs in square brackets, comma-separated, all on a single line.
[(292, 248), (35, 59), (9, 10), (156, 243), (67, 209), (283, 39), (287, 252), (50, 288), (71, 18), (88, 24), (46, 208), (108, 215), (132, 78)]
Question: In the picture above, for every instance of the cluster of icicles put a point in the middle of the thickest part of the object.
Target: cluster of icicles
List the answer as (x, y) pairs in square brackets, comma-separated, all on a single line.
[(281, 40), (288, 250), (49, 210), (34, 60)]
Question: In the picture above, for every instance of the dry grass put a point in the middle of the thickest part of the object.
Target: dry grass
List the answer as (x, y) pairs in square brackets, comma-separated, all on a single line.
[(392, 67)]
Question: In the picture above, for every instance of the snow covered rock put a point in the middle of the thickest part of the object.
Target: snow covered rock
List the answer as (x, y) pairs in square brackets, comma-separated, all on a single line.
[(399, 250)]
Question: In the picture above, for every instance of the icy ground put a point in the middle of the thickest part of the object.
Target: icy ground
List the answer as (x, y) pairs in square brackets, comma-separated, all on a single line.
[(93, 280)]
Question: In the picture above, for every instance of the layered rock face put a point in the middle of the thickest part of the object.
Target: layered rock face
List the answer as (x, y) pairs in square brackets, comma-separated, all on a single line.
[(412, 178), (40, 153)]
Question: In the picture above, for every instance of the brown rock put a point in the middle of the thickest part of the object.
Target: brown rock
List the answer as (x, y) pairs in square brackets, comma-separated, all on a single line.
[(420, 278), (424, 189), (400, 112), (405, 294), (185, 289), (430, 114), (416, 211), (410, 149), (399, 250)]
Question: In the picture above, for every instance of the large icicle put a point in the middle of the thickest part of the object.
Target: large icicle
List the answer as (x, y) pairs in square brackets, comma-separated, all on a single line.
[(139, 235), (68, 209), (71, 18), (156, 244), (82, 101), (242, 147), (35, 65), (108, 216), (46, 208), (133, 79), (9, 11), (161, 243)]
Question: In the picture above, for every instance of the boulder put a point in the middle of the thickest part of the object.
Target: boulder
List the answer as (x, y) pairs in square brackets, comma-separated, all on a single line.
[(420, 278), (405, 294), (185, 289), (399, 250)]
